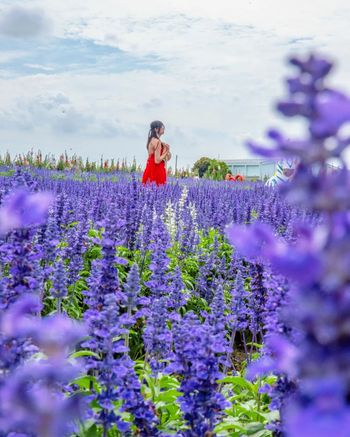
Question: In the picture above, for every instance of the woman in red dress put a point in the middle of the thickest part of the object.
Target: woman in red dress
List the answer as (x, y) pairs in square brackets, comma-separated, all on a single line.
[(158, 155)]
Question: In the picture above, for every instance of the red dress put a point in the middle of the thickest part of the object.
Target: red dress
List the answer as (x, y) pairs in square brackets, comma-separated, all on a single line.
[(154, 172)]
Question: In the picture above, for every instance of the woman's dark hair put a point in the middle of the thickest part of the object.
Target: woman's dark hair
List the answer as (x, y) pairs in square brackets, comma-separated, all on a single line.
[(152, 131)]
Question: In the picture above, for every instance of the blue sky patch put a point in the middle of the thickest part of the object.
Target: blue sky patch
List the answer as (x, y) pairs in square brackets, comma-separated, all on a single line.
[(62, 55)]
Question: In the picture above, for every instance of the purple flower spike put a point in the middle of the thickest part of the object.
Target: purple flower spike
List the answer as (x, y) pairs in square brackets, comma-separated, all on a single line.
[(261, 150), (296, 85), (310, 349), (316, 67), (291, 109)]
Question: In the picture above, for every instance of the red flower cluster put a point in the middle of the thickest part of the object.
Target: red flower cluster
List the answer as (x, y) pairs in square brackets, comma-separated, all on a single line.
[(237, 178)]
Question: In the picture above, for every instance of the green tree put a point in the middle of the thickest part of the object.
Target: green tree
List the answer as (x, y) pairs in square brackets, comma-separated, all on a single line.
[(201, 166), (217, 170)]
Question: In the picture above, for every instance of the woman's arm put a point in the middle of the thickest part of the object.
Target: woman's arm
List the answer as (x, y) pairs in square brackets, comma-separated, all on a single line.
[(167, 152), (158, 158)]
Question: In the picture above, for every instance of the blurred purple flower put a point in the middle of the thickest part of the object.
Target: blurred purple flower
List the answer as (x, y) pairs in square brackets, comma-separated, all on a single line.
[(54, 335), (31, 400), (315, 66), (252, 241), (333, 110), (327, 416), (298, 265), (299, 262), (23, 209), (32, 397), (315, 347), (18, 320), (291, 109)]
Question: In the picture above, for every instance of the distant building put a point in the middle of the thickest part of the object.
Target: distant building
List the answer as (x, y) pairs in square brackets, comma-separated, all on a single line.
[(262, 169), (252, 168)]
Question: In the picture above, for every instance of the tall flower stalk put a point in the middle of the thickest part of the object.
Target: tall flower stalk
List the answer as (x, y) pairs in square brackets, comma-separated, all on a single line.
[(196, 357), (316, 260)]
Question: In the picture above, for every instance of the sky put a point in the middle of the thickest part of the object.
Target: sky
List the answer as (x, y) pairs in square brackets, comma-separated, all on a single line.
[(88, 76)]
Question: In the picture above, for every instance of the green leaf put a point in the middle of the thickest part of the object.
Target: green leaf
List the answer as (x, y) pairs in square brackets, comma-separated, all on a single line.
[(271, 379), (168, 396), (85, 382), (72, 224), (84, 353), (91, 431), (253, 428), (238, 381), (228, 424), (272, 416)]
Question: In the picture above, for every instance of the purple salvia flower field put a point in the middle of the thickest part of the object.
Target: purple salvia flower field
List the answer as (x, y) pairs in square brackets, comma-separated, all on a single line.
[(197, 308)]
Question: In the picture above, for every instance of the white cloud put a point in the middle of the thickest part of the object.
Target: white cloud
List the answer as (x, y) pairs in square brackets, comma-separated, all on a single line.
[(220, 69), (8, 56), (40, 67)]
